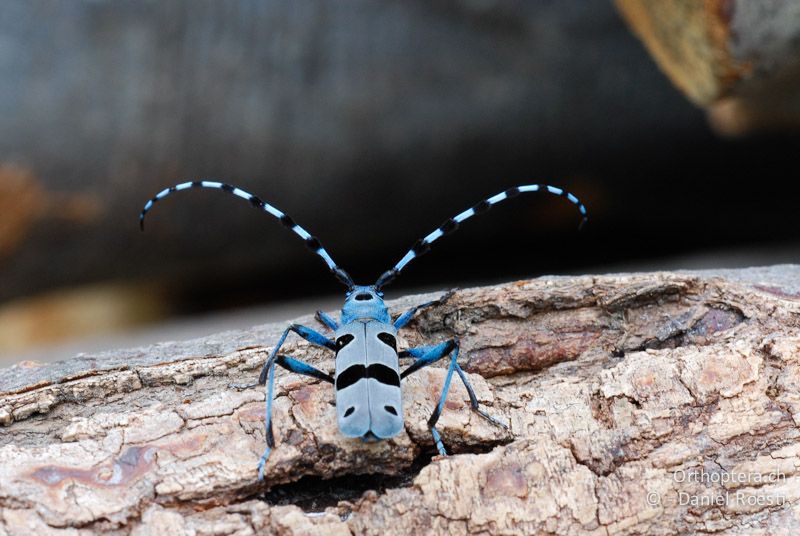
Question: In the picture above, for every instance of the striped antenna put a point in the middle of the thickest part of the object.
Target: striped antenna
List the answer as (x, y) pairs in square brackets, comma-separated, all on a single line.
[(311, 241), (422, 246)]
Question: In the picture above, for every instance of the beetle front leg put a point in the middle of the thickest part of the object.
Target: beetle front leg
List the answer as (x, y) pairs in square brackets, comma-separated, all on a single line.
[(326, 320), (406, 317)]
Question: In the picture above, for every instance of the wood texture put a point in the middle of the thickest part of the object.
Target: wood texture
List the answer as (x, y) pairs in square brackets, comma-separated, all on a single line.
[(618, 390)]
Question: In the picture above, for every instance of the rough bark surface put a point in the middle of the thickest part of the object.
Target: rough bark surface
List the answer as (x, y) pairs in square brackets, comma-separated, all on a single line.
[(626, 396)]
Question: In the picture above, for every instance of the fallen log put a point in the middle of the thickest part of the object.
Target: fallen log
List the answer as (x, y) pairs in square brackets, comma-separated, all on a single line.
[(644, 403)]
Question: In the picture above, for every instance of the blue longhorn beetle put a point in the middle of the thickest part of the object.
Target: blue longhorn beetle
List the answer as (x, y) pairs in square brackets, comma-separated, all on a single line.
[(367, 376)]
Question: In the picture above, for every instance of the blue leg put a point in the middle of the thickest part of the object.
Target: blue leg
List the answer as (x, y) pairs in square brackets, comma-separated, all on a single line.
[(432, 355), (416, 352), (406, 317), (452, 349), (425, 355), (473, 400), (267, 376), (327, 320), (293, 365), (301, 367), (307, 333), (268, 417)]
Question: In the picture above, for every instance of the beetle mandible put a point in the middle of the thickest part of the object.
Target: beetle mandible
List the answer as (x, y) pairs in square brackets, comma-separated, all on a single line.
[(367, 375)]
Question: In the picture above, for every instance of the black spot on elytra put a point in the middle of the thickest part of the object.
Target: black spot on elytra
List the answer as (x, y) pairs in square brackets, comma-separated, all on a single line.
[(388, 339), (343, 341), (384, 374), (350, 375)]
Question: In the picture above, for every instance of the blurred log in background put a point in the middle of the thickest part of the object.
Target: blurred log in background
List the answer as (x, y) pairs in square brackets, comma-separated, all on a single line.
[(739, 59), (370, 123)]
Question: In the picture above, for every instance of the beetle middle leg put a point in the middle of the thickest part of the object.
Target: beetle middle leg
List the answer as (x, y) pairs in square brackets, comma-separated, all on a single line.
[(306, 333), (293, 365), (426, 355)]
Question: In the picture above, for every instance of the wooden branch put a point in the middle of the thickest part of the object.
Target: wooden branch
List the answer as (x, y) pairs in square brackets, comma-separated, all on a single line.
[(643, 403)]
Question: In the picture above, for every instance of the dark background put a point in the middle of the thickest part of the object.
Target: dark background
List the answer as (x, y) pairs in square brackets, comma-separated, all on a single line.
[(369, 123)]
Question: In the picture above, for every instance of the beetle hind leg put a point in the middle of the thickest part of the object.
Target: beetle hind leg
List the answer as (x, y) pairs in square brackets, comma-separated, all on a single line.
[(473, 401), (426, 355), (452, 349)]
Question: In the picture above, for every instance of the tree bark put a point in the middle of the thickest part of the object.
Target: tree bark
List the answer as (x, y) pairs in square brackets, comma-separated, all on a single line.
[(655, 403)]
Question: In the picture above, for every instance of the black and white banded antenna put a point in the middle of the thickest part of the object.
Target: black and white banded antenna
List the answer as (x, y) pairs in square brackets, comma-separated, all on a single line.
[(423, 245), (311, 241)]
